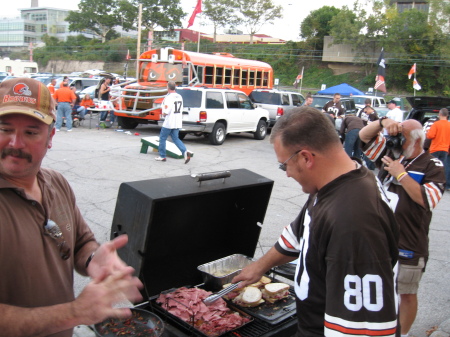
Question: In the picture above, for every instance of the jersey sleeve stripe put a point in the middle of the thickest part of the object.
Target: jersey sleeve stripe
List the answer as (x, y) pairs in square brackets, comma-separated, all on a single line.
[(338, 327), (376, 148), (288, 241), (433, 193)]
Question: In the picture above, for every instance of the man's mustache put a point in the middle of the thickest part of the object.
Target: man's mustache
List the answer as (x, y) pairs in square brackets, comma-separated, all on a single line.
[(16, 153)]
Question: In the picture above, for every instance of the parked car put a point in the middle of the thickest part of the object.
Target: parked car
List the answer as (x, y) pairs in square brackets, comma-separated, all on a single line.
[(217, 112), (80, 83), (347, 103), (89, 90), (425, 110), (376, 101), (3, 75), (276, 102)]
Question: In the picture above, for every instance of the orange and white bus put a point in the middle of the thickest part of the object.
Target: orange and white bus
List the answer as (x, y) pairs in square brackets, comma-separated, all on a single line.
[(141, 102)]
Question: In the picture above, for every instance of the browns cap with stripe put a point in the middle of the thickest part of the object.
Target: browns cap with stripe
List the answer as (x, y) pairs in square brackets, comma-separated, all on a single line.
[(27, 96)]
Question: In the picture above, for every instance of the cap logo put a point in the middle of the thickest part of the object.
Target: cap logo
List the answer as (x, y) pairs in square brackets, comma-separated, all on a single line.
[(22, 89)]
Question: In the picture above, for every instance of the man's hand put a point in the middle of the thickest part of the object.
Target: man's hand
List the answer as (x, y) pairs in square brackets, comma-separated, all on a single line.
[(249, 275), (106, 261), (96, 301), (392, 127), (394, 167)]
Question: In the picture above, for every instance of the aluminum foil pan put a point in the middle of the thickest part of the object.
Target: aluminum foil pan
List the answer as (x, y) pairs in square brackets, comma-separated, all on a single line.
[(217, 273)]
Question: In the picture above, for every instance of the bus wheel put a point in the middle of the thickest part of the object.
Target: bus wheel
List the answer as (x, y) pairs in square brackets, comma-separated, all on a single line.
[(127, 123), (261, 130), (218, 134)]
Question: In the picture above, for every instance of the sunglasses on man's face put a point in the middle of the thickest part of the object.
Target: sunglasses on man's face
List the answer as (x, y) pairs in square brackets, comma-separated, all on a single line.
[(53, 230)]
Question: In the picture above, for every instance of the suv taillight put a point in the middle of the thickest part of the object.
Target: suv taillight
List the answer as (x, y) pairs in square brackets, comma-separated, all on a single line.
[(280, 111), (202, 116)]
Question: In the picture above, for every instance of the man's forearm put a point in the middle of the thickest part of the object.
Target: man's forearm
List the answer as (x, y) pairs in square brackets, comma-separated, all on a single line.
[(370, 131), (40, 321), (83, 255)]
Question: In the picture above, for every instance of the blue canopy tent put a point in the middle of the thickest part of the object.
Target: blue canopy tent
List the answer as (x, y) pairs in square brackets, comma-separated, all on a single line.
[(344, 89)]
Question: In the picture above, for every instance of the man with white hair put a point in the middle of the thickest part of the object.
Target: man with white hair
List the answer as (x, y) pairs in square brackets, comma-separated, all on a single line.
[(414, 181)]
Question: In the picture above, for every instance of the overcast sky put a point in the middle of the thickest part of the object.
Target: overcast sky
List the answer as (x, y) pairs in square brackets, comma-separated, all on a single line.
[(287, 28)]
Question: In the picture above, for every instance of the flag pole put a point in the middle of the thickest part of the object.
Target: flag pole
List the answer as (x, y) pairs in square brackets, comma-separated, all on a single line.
[(301, 81), (415, 73), (138, 51), (198, 38)]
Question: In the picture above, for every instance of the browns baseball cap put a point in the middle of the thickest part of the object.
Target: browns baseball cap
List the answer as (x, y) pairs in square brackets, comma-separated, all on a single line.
[(26, 96)]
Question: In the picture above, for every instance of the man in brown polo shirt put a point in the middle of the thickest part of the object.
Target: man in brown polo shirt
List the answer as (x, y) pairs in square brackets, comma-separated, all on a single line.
[(43, 236)]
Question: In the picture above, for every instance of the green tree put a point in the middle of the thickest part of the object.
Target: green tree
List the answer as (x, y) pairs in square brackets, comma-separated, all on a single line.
[(253, 14), (166, 14), (221, 13), (317, 25), (99, 16)]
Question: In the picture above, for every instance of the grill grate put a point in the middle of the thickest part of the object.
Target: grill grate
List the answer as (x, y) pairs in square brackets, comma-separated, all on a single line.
[(256, 328)]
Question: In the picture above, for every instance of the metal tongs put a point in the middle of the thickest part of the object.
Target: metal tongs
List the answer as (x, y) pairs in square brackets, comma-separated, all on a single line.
[(214, 297)]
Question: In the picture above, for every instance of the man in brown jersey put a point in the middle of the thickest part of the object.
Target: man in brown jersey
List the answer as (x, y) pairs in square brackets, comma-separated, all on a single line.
[(414, 181)]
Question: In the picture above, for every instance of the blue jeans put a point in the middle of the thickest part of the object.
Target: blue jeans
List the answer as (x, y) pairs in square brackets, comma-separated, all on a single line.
[(64, 110), (163, 135), (81, 111), (104, 114), (447, 171), (444, 158), (352, 144)]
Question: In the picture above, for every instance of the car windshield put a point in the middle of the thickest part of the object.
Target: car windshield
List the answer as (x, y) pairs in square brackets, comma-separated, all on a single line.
[(359, 100), (319, 102), (191, 98), (265, 97)]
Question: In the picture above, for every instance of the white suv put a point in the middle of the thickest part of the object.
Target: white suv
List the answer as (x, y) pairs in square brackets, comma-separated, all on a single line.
[(218, 112), (276, 102)]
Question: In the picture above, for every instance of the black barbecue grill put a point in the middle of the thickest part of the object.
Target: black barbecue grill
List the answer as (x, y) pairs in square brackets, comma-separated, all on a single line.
[(176, 224)]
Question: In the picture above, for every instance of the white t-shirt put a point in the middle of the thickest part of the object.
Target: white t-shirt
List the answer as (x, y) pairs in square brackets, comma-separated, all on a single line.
[(395, 114), (172, 109)]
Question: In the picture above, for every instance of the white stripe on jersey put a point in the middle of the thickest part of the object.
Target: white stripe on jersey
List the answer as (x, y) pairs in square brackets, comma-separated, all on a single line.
[(302, 289), (383, 195), (338, 327), (433, 193), (289, 241)]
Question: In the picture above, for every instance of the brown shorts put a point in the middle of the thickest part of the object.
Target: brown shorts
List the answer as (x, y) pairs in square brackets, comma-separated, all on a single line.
[(409, 277)]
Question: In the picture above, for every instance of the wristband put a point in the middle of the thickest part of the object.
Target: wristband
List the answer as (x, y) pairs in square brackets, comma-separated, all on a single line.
[(381, 120), (89, 259), (401, 176)]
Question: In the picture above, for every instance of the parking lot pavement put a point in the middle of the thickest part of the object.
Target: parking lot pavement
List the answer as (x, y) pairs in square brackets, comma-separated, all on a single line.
[(96, 162)]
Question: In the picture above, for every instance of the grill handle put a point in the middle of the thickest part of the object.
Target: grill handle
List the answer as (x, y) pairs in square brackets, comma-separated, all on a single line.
[(211, 176)]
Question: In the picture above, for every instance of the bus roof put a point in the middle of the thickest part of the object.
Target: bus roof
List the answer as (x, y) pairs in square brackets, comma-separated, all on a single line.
[(207, 59)]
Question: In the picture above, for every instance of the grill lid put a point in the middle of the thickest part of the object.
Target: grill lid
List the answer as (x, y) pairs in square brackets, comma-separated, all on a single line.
[(174, 224)]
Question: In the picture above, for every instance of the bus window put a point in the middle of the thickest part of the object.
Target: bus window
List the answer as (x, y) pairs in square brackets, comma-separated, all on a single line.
[(251, 77), (265, 79), (232, 101), (258, 78), (214, 100), (199, 74), (237, 76), (244, 77), (219, 76), (209, 75), (227, 79)]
